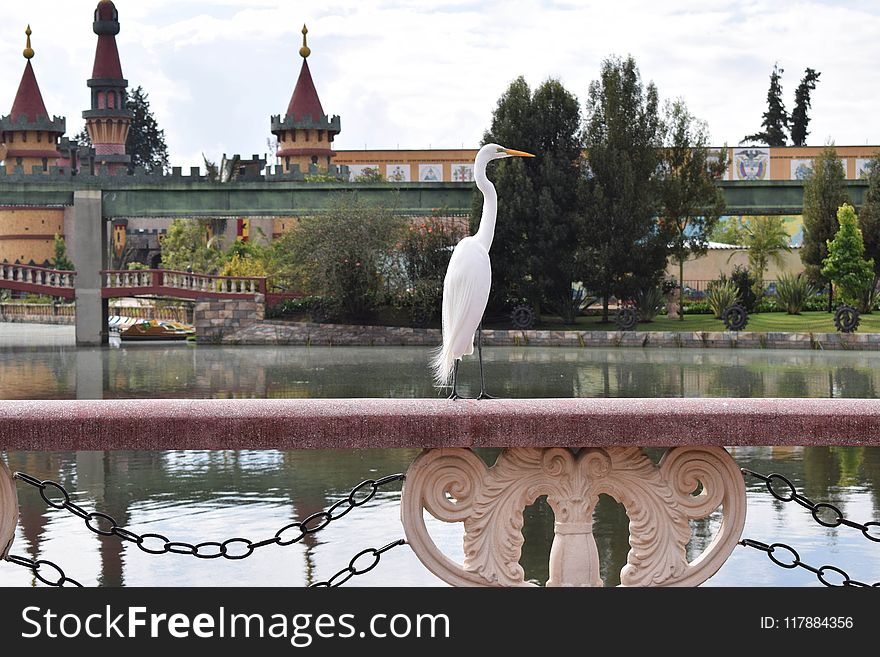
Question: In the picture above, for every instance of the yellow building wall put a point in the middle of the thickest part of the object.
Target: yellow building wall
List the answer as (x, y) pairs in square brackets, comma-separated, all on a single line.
[(28, 234), (699, 271)]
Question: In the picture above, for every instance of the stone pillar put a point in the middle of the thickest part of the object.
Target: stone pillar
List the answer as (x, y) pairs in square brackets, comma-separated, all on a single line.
[(89, 238)]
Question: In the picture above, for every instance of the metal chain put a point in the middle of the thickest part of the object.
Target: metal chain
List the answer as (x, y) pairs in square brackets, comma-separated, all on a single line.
[(836, 519), (352, 568), (36, 565), (232, 548), (795, 562)]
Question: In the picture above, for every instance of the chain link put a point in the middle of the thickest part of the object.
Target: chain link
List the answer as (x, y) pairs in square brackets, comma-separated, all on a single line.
[(57, 497), (352, 569), (39, 567), (823, 513), (787, 557)]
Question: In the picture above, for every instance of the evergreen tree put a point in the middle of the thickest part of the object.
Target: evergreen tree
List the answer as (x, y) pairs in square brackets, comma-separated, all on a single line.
[(846, 265), (824, 193), (799, 115), (622, 248), (533, 253), (869, 217), (146, 142), (690, 201), (775, 121), (61, 260)]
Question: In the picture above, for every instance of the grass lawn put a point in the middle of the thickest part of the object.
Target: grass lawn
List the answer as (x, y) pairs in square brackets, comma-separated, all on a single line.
[(808, 322)]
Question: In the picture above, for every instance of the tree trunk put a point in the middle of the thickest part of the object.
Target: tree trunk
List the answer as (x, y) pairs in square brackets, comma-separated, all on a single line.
[(830, 297), (605, 308), (681, 289)]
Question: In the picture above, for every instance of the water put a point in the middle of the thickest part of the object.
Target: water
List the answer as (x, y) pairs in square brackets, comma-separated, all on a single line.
[(199, 496)]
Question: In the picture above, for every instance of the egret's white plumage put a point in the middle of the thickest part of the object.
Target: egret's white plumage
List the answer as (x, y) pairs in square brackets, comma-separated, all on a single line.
[(469, 276)]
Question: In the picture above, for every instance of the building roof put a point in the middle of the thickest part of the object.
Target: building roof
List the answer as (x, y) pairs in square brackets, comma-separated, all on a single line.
[(106, 26), (28, 100), (305, 102)]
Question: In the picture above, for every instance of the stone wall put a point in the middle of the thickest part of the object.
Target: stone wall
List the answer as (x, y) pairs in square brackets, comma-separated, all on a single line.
[(217, 319)]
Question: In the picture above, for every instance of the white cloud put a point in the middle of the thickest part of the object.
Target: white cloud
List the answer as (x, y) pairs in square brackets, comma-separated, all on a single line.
[(409, 73)]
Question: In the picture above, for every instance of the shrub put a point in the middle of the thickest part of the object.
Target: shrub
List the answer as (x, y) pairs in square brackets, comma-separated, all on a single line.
[(649, 302), (720, 296), (846, 265), (793, 292), (745, 283)]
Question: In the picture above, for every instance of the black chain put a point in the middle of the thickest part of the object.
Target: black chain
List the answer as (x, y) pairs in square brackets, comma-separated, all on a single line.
[(40, 567), (825, 514), (232, 548), (794, 561), (352, 569)]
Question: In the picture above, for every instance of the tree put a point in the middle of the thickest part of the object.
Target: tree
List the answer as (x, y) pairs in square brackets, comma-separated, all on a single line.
[(146, 142), (799, 115), (845, 265), (824, 193), (622, 248), (767, 239), (775, 121), (538, 202), (869, 217), (689, 199), (342, 255), (62, 262), (188, 247)]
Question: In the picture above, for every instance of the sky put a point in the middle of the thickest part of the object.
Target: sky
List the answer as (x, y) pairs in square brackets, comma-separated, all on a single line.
[(427, 74)]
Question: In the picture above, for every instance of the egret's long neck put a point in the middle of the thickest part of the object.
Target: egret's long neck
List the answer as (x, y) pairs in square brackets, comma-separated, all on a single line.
[(490, 207)]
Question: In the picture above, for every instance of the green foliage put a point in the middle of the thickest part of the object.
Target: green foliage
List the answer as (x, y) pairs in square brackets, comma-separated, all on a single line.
[(869, 217), (424, 256), (61, 262), (719, 296), (747, 287), (799, 116), (775, 121), (622, 248), (136, 266), (845, 265), (534, 250), (690, 201), (824, 193), (343, 255), (369, 175), (767, 239), (186, 247), (793, 292), (649, 302)]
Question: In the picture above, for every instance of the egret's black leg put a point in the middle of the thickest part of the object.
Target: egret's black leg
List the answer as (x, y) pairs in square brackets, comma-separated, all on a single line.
[(454, 394), (483, 394)]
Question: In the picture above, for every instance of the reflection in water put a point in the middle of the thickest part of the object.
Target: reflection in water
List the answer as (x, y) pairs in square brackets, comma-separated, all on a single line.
[(198, 496)]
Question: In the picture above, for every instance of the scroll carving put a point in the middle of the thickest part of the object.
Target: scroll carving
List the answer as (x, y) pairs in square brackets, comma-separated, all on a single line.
[(454, 485)]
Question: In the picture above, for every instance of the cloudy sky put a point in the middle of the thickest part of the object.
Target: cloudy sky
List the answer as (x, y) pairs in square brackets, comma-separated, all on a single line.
[(420, 74)]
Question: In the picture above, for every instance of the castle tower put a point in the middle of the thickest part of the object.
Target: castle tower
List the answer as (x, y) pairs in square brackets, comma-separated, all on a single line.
[(305, 135), (31, 137), (108, 120)]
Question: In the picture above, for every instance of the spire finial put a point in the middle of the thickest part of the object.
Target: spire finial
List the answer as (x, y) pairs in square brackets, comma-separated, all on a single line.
[(305, 51), (28, 52)]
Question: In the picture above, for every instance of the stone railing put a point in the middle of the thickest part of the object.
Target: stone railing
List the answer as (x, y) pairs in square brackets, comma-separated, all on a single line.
[(38, 280), (124, 282), (571, 450)]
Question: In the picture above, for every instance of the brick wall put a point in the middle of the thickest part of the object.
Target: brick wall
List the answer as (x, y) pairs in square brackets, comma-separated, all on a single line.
[(216, 318)]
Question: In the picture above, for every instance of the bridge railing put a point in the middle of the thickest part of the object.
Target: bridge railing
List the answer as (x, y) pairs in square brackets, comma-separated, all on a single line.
[(39, 280), (157, 281)]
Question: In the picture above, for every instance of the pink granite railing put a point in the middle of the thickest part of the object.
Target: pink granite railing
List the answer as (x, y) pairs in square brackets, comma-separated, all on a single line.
[(38, 280)]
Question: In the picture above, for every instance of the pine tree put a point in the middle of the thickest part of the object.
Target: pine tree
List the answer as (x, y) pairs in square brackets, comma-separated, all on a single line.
[(799, 116), (824, 193), (775, 121), (869, 217), (622, 248)]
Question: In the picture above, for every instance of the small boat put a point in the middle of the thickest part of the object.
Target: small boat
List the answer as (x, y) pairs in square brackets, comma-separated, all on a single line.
[(130, 328)]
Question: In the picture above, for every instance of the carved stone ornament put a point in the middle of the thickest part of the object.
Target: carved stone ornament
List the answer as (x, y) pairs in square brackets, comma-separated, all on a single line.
[(455, 485), (8, 510)]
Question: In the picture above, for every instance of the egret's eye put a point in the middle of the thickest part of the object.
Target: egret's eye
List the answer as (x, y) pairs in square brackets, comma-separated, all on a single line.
[(499, 150)]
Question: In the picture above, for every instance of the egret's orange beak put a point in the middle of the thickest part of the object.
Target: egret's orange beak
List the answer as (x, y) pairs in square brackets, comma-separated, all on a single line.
[(510, 151)]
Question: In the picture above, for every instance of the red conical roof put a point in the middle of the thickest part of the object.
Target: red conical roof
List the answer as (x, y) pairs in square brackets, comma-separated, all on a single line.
[(304, 101), (107, 64), (28, 100)]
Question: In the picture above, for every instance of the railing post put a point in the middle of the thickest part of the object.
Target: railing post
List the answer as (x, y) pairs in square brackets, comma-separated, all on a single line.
[(160, 277), (8, 510)]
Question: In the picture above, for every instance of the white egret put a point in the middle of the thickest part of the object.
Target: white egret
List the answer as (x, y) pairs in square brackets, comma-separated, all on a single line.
[(468, 279)]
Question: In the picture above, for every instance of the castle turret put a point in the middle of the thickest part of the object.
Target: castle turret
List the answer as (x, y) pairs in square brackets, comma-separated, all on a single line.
[(108, 120), (305, 134), (31, 137)]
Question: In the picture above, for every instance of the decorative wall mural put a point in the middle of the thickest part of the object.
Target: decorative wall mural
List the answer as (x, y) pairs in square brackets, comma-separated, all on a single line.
[(397, 172), (358, 171), (751, 164), (463, 172), (863, 167), (431, 172), (801, 169)]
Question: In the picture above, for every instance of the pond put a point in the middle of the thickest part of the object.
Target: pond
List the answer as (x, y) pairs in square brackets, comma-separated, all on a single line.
[(197, 496)]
